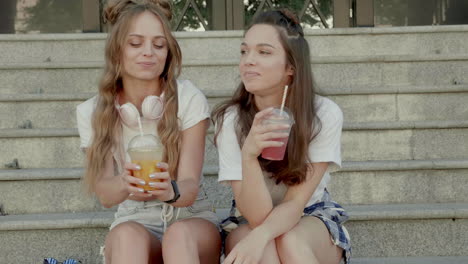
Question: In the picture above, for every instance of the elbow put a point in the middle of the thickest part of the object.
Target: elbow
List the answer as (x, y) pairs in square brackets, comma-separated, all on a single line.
[(189, 193), (254, 217), (106, 203), (255, 223)]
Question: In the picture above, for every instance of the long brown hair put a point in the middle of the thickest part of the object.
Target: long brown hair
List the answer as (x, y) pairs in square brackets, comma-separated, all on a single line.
[(293, 168), (106, 122)]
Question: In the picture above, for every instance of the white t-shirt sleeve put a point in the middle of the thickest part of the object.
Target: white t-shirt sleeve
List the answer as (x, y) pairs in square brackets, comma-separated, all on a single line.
[(84, 113), (193, 106), (229, 152), (326, 146)]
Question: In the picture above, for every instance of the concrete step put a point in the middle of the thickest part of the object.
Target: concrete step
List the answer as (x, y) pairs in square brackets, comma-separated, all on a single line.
[(409, 230), (225, 44), (403, 107), (40, 110), (211, 74), (412, 260), (424, 185), (62, 236), (58, 110), (59, 148), (428, 230), (371, 182), (57, 191)]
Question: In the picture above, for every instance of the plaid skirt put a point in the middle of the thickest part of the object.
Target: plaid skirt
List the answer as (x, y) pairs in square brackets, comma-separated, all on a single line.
[(328, 211)]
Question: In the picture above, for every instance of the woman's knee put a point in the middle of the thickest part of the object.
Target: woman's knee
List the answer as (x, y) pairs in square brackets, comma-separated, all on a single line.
[(235, 236), (177, 233), (128, 233), (291, 245)]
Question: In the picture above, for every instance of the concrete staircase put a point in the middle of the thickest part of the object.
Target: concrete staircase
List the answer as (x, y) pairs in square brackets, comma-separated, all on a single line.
[(403, 91)]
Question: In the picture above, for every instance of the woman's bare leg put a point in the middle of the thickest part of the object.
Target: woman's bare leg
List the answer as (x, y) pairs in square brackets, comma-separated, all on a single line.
[(192, 240), (270, 256), (131, 242), (309, 242)]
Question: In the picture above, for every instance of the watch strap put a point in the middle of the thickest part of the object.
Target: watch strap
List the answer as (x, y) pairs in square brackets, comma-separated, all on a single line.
[(176, 193)]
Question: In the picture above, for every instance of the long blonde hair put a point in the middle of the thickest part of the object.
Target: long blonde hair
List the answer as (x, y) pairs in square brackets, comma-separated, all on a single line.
[(106, 122)]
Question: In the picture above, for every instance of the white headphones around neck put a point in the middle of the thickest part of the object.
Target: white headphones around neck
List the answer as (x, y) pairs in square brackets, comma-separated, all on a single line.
[(152, 108)]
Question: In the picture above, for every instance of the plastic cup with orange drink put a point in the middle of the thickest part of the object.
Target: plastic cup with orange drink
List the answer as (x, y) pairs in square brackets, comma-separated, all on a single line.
[(145, 151)]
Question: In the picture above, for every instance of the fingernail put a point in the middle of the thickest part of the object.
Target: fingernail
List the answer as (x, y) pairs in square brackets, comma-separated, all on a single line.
[(152, 184), (141, 190), (142, 182), (138, 167), (152, 176)]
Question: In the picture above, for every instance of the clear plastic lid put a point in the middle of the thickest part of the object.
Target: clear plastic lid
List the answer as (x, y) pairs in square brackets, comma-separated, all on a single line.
[(145, 147), (146, 141), (278, 116)]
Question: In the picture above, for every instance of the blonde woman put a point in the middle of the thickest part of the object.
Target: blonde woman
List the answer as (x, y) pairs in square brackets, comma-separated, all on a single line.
[(174, 222)]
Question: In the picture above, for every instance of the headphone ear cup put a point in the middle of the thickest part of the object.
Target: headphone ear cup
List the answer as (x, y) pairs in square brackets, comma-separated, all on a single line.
[(152, 107), (129, 115)]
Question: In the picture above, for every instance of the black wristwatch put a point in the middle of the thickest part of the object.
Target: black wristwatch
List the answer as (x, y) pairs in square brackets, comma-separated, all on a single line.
[(176, 193)]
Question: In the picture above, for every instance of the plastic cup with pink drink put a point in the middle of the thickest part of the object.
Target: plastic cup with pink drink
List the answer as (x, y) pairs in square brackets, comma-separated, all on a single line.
[(278, 117)]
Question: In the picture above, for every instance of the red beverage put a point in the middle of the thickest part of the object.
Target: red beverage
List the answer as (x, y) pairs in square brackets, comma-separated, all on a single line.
[(275, 153), (277, 117)]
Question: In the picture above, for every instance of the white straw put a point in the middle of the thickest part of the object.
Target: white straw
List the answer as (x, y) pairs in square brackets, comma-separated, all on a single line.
[(284, 99), (140, 126)]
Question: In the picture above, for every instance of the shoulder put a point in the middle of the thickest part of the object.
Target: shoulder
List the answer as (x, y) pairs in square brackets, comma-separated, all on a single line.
[(230, 116), (86, 108), (186, 90), (327, 110), (227, 123)]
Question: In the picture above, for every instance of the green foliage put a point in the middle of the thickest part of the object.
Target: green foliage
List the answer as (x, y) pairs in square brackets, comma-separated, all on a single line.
[(52, 16), (309, 19), (190, 20)]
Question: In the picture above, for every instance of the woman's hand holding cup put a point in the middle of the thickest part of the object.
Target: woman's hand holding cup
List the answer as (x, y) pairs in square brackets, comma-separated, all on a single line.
[(145, 152), (133, 184), (161, 183), (262, 135)]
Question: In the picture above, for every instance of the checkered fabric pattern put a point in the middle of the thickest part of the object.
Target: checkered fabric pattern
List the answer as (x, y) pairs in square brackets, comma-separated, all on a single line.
[(67, 261)]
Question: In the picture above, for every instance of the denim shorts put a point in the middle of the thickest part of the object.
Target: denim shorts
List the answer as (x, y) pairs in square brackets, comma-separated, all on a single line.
[(328, 211), (156, 216)]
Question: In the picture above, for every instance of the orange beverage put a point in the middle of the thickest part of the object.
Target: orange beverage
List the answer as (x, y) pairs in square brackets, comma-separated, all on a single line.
[(146, 153), (147, 167)]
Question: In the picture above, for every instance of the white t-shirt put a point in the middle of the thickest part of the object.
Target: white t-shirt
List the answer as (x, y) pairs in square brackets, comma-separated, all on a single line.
[(325, 147), (193, 108)]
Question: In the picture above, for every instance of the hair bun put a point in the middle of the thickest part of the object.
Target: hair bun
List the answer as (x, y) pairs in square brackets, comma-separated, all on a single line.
[(114, 8), (164, 6)]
